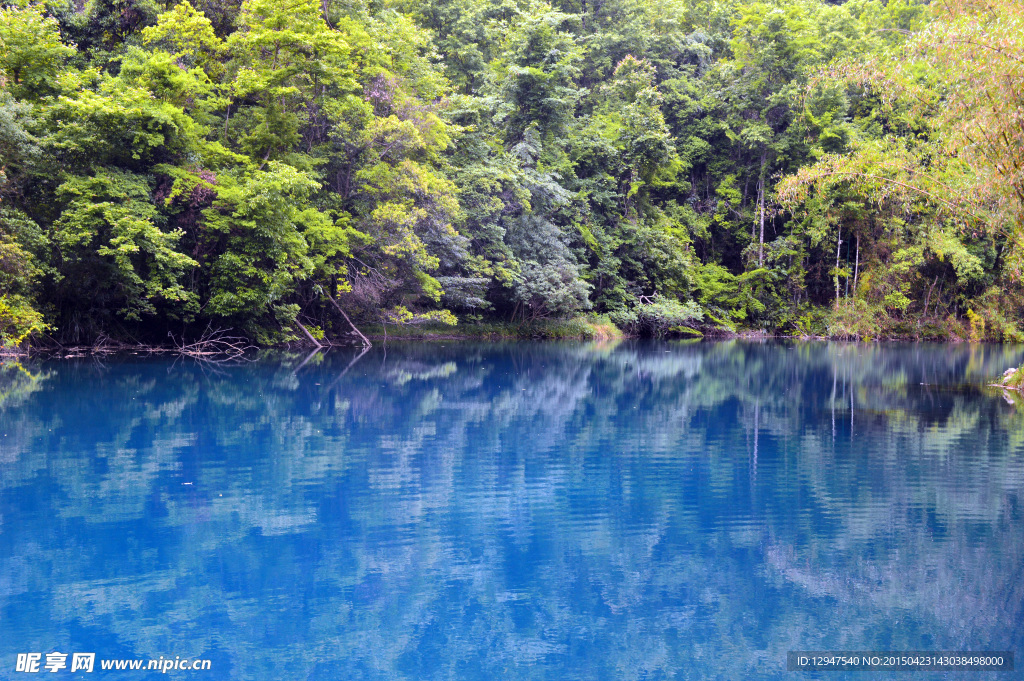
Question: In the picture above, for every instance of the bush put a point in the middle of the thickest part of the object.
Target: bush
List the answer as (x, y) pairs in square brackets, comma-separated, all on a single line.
[(18, 321), (658, 317), (854, 320)]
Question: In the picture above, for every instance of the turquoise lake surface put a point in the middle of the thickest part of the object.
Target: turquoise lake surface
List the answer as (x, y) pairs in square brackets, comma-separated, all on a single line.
[(621, 511)]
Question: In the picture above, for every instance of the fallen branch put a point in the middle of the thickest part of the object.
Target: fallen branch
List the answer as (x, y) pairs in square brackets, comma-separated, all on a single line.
[(366, 341), (211, 344), (310, 336)]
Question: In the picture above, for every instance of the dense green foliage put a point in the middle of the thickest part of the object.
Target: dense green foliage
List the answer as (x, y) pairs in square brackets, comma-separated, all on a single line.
[(260, 166)]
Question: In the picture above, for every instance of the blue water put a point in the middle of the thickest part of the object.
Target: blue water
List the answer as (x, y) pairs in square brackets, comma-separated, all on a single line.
[(520, 511)]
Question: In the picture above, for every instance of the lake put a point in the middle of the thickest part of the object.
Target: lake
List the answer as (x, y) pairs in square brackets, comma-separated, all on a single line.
[(512, 511)]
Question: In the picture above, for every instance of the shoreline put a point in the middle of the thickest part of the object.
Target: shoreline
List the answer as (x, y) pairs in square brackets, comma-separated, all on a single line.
[(585, 329), (431, 335)]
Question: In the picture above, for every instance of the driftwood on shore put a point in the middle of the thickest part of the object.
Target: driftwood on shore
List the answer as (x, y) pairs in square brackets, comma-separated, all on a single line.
[(366, 341), (222, 344), (213, 343), (322, 341)]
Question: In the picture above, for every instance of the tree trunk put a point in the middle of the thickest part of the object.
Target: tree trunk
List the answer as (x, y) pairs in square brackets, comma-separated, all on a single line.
[(928, 297), (839, 246), (760, 203), (856, 268), (760, 240), (366, 341), (312, 340)]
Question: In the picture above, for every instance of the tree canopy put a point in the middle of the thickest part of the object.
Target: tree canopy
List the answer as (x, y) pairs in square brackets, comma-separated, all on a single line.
[(850, 169)]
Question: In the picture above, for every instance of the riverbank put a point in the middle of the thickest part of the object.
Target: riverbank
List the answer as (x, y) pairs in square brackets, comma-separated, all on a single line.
[(223, 343), (582, 328), (579, 328)]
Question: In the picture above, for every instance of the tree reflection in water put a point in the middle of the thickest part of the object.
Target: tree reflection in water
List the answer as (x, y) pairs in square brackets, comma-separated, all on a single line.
[(521, 511)]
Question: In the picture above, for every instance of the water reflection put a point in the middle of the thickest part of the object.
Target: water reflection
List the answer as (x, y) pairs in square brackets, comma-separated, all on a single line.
[(629, 511)]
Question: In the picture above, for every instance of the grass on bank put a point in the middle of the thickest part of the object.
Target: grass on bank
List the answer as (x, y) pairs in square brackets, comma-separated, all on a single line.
[(861, 321), (579, 328)]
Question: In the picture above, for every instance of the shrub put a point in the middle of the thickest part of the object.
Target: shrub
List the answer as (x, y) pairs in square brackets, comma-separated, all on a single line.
[(854, 319), (658, 317)]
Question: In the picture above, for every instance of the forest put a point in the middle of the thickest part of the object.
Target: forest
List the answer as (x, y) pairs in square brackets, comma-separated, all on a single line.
[(296, 170)]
